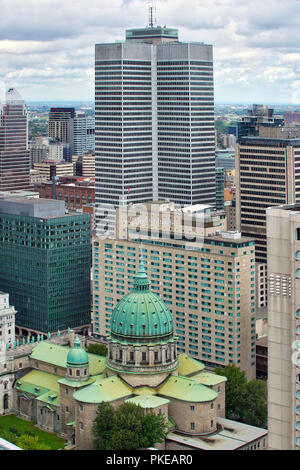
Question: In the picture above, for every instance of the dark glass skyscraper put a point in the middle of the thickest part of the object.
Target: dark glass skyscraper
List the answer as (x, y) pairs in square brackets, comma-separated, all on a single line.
[(45, 263), (14, 153)]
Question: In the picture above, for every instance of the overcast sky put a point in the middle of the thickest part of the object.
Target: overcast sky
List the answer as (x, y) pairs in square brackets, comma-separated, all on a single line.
[(47, 46)]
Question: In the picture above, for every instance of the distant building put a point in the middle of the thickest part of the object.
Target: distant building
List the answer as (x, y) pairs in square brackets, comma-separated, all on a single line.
[(45, 148), (256, 116), (61, 128), (45, 264), (50, 168), (84, 134), (14, 152)]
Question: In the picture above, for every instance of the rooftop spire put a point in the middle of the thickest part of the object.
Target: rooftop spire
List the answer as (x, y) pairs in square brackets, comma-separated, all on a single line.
[(141, 282)]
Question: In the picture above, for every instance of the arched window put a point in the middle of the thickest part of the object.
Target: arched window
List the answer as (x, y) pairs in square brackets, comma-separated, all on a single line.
[(298, 425), (298, 313), (298, 254), (298, 441), (298, 409), (298, 394), (298, 330)]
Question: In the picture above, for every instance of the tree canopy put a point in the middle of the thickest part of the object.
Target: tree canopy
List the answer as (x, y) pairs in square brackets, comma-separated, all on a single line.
[(245, 401), (99, 349), (128, 427)]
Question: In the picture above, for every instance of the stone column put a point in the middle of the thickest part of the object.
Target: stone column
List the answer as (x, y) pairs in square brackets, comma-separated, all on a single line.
[(151, 356)]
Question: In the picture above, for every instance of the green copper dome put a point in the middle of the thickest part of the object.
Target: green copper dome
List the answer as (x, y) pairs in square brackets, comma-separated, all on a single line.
[(77, 356), (141, 315)]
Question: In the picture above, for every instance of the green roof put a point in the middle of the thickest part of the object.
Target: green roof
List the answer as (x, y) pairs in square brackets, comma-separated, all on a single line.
[(148, 401), (77, 356), (188, 365), (144, 391), (40, 384), (209, 379), (75, 383), (108, 389), (141, 314), (57, 355), (186, 389)]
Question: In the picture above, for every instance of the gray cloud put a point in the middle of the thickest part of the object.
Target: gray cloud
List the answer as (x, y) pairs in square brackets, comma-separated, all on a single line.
[(47, 46)]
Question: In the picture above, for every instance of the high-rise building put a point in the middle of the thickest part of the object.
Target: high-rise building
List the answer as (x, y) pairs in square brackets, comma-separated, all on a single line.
[(283, 250), (154, 114), (84, 134), (208, 285), (14, 153), (45, 264), (61, 128), (266, 175)]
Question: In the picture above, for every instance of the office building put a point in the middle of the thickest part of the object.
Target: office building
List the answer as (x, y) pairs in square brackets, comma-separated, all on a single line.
[(283, 255), (45, 148), (14, 153), (208, 284), (45, 264), (256, 116), (85, 165), (266, 175), (84, 134), (7, 323), (154, 115), (61, 128), (47, 169)]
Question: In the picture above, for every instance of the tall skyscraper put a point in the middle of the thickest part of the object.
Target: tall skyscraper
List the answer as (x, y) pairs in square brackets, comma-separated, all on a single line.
[(61, 127), (283, 254), (14, 153), (154, 113), (45, 264)]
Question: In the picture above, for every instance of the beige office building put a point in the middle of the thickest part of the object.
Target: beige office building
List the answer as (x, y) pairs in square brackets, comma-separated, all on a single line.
[(283, 242), (208, 284)]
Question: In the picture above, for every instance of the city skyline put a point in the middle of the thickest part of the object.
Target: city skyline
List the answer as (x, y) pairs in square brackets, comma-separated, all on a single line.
[(47, 50)]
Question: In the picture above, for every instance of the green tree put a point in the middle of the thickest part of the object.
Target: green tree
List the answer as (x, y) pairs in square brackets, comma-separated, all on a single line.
[(245, 401), (126, 428), (103, 426), (99, 349), (27, 442)]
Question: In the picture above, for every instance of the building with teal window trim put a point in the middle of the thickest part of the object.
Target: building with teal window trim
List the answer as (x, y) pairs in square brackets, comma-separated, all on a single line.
[(45, 264)]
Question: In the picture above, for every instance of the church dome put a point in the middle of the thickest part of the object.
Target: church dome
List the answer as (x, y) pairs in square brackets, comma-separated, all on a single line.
[(77, 356), (141, 315)]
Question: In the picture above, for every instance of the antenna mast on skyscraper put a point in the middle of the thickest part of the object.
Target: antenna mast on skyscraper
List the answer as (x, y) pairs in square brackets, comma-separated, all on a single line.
[(152, 15)]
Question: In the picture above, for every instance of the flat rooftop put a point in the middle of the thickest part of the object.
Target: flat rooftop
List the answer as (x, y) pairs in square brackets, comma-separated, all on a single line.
[(32, 207), (232, 436)]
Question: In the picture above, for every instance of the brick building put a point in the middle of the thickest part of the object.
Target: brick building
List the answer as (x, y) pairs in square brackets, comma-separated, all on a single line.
[(75, 191)]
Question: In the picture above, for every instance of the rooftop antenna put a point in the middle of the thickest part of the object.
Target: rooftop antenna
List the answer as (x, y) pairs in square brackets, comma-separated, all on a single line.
[(152, 15)]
